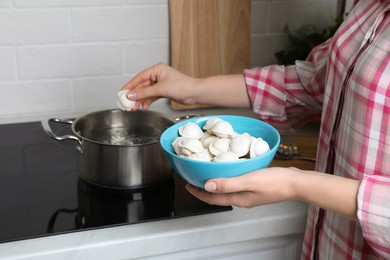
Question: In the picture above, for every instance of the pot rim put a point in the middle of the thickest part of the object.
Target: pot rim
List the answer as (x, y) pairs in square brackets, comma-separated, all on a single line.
[(119, 111)]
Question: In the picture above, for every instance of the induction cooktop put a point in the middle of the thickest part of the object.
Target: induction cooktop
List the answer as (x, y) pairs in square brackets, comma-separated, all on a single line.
[(41, 193)]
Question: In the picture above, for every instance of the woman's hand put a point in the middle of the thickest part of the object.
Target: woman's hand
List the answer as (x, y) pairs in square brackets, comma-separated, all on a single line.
[(260, 187), (159, 81), (272, 185), (163, 81)]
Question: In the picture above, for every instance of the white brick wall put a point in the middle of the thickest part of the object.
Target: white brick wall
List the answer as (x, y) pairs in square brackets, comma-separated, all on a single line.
[(69, 61), (65, 57), (27, 27)]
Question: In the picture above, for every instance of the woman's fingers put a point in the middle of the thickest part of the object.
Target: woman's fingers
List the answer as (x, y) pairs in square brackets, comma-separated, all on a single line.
[(255, 188), (156, 82), (210, 198), (144, 92), (146, 77), (228, 185)]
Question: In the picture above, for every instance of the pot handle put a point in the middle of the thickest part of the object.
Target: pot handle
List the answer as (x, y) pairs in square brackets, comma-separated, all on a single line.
[(49, 131)]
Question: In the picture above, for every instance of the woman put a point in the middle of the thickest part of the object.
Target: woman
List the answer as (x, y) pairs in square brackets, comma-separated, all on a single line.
[(346, 80)]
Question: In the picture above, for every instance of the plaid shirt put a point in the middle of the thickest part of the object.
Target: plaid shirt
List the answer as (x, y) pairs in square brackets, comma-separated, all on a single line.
[(346, 80)]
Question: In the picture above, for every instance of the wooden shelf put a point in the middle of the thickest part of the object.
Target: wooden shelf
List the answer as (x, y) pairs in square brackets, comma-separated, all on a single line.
[(307, 146)]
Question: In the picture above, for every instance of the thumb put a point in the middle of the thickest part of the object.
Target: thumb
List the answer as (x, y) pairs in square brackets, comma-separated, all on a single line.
[(225, 185), (143, 93)]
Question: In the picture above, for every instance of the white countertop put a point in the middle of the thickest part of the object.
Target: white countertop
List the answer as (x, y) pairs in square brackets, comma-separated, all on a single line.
[(165, 236), (162, 106)]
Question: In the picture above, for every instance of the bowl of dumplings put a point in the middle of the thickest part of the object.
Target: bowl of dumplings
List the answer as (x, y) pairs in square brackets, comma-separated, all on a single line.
[(219, 146)]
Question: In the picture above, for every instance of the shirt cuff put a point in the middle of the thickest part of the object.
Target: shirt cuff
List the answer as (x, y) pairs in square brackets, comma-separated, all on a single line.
[(374, 212)]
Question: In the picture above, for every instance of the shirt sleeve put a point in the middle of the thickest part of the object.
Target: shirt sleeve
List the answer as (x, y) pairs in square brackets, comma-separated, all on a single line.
[(289, 96), (374, 212)]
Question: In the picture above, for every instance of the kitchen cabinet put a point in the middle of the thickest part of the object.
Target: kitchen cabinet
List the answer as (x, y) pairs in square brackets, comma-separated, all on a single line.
[(282, 248)]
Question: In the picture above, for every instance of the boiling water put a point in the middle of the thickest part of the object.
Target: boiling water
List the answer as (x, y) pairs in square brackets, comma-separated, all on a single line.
[(127, 137)]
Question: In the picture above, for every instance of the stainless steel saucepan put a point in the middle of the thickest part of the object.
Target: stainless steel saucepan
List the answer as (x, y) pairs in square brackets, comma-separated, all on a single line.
[(118, 149)]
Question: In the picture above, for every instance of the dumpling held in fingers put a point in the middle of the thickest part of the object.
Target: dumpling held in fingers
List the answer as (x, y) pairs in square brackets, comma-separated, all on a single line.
[(123, 102)]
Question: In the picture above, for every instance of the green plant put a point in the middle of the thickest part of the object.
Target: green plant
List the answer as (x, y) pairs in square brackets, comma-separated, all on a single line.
[(303, 41)]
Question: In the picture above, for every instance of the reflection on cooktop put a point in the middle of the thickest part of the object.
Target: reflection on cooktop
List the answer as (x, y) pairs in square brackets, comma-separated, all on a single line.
[(42, 194)]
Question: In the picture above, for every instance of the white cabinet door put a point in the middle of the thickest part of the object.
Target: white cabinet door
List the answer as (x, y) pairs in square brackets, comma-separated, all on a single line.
[(288, 247)]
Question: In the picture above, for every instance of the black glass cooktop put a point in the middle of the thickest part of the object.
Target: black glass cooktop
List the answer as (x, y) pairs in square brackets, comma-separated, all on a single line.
[(41, 193)]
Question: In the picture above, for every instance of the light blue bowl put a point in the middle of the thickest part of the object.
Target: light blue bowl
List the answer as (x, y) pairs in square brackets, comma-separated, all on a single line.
[(198, 172)]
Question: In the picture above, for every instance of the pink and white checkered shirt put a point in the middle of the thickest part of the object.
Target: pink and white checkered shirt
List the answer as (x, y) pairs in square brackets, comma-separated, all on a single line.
[(346, 80)]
